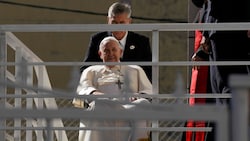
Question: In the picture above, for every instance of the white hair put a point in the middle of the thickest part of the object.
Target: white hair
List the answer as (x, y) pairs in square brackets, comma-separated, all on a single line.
[(108, 39)]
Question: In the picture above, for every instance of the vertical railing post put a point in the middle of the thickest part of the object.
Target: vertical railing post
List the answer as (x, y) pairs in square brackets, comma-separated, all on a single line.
[(40, 101), (240, 85), (155, 77), (49, 130), (3, 88), (29, 103), (222, 125), (19, 71)]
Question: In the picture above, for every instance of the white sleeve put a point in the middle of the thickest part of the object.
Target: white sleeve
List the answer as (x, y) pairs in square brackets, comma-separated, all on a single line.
[(145, 85), (86, 85)]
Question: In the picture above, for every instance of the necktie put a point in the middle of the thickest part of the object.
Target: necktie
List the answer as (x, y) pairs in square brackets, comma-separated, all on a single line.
[(122, 48)]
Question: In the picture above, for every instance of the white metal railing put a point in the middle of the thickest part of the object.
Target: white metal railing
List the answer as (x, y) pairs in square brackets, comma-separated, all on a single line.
[(240, 122), (24, 74), (183, 111)]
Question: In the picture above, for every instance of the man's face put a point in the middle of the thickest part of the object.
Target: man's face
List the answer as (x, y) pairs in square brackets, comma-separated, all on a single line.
[(110, 52), (119, 19)]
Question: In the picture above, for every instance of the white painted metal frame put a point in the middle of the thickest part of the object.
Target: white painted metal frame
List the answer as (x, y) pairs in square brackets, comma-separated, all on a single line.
[(219, 114), (240, 107), (24, 75), (3, 68), (155, 76), (155, 28), (129, 27)]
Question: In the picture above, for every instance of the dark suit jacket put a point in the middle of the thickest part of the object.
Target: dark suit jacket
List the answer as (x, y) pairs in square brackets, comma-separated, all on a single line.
[(229, 45), (137, 48)]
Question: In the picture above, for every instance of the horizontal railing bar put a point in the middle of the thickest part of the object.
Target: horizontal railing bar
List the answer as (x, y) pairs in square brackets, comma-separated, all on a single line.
[(163, 63), (60, 93), (160, 96), (156, 112), (117, 27), (160, 129)]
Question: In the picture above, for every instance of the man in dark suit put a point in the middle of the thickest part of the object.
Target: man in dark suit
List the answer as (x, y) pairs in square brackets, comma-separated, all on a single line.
[(221, 46), (136, 47), (228, 45)]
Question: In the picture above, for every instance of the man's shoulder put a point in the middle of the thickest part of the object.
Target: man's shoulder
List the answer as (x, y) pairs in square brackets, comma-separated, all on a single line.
[(100, 34), (137, 35)]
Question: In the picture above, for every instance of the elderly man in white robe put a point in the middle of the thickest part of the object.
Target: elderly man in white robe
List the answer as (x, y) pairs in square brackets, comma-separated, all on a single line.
[(109, 79)]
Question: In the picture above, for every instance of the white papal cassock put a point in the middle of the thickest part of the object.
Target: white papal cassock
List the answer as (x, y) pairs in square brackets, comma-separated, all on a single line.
[(118, 80)]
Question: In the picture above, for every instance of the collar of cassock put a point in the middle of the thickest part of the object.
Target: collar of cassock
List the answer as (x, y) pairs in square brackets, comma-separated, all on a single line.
[(114, 69), (110, 74)]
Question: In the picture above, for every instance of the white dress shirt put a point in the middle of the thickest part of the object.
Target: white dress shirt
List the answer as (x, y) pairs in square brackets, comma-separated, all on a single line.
[(123, 42)]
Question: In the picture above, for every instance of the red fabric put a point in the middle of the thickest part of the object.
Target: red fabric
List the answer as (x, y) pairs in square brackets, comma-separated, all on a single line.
[(198, 85), (199, 76), (193, 85), (197, 40)]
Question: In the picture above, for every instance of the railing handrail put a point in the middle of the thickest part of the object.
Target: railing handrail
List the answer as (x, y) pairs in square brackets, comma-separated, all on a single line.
[(130, 27)]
